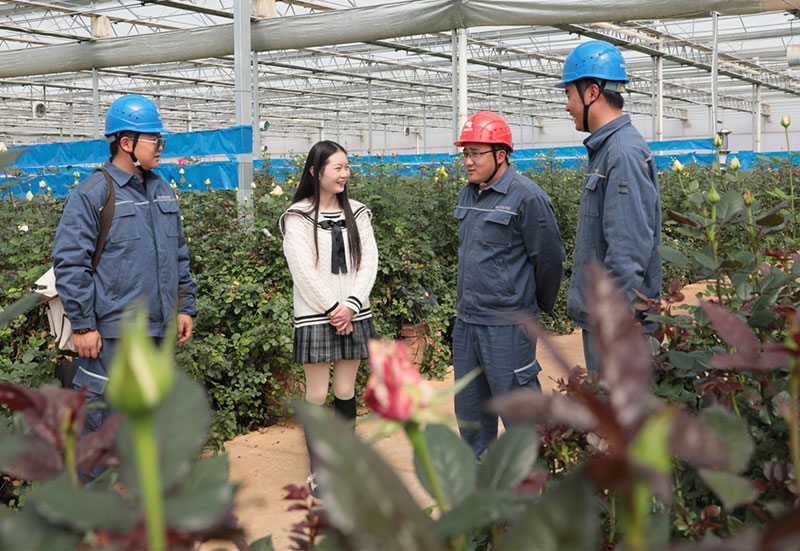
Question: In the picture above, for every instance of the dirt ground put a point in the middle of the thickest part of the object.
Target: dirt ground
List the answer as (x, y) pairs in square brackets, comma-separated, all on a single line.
[(263, 462)]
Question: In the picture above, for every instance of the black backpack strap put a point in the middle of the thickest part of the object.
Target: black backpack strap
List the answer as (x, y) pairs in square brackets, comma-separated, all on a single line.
[(106, 216)]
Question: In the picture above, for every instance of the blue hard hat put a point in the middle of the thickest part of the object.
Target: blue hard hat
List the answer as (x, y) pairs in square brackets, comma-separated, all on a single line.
[(134, 113), (594, 59)]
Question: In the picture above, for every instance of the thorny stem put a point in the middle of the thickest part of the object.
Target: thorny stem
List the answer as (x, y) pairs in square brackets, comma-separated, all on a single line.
[(68, 430), (144, 434), (791, 179), (421, 448)]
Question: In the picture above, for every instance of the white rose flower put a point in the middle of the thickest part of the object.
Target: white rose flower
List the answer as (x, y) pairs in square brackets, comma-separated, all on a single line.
[(277, 191), (29, 195), (42, 184), (3, 147), (23, 228)]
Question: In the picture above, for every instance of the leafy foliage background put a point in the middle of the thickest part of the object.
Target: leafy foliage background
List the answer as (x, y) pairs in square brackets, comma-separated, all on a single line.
[(241, 350)]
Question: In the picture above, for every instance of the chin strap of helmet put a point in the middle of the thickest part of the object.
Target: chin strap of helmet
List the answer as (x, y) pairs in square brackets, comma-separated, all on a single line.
[(601, 84), (495, 149)]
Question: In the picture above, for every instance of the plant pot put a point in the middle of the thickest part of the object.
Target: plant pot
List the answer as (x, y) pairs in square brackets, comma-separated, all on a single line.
[(415, 338)]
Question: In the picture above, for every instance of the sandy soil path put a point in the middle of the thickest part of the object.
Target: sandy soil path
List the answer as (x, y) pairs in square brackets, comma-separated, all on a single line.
[(263, 462)]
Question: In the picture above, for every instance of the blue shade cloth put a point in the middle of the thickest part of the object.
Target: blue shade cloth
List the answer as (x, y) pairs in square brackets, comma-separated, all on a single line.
[(227, 141), (54, 164)]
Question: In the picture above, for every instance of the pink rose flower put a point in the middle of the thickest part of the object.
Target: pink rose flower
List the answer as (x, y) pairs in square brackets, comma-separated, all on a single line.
[(395, 387), (181, 161)]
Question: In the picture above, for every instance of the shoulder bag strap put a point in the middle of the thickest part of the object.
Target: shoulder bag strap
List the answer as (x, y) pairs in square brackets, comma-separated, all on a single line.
[(106, 215)]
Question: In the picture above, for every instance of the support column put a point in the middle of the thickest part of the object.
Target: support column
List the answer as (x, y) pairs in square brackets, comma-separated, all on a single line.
[(500, 92), (714, 72), (454, 73), (424, 126), (256, 111), (95, 104), (462, 77), (757, 119), (659, 99), (243, 92), (71, 116), (653, 100), (369, 119)]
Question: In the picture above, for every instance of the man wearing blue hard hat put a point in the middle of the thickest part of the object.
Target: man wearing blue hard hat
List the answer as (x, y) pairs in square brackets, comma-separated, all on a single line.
[(619, 222), (136, 251)]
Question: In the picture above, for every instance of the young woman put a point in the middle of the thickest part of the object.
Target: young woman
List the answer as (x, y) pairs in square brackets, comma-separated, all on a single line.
[(331, 252)]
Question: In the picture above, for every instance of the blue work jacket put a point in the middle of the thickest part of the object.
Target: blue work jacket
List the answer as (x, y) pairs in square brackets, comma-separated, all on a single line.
[(145, 255), (619, 222), (510, 254)]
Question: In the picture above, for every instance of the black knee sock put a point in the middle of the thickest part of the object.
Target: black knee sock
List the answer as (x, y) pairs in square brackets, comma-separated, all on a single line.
[(346, 409)]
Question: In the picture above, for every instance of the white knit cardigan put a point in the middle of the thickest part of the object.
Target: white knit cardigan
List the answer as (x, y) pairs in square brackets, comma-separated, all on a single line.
[(317, 291)]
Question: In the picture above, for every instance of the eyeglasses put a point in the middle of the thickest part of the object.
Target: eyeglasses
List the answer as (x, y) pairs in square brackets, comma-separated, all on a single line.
[(474, 155), (161, 143)]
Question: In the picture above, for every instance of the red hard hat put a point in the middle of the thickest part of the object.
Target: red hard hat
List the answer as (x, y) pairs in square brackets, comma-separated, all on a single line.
[(486, 127)]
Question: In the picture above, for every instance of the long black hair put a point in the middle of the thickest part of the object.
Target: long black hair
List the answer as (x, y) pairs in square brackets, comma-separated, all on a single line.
[(309, 187)]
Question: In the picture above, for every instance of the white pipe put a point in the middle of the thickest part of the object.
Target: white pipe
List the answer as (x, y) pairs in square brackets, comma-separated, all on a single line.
[(351, 25)]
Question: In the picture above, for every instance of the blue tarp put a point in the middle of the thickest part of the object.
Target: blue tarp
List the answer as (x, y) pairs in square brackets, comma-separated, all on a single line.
[(55, 164), (228, 141)]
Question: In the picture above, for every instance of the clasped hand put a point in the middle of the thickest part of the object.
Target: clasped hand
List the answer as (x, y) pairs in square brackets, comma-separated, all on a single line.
[(340, 319)]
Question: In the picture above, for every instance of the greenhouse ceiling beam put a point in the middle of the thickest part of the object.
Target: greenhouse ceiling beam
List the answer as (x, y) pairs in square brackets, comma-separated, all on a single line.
[(686, 52), (90, 13), (346, 26), (43, 32)]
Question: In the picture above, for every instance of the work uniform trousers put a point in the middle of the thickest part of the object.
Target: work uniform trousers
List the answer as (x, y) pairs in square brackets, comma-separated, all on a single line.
[(93, 374), (506, 357)]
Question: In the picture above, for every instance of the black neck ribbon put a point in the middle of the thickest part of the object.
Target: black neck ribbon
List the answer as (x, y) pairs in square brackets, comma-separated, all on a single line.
[(338, 259)]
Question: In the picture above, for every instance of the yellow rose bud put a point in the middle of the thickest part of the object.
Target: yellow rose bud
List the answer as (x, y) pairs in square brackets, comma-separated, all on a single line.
[(29, 195), (677, 167), (734, 164), (717, 141), (786, 121)]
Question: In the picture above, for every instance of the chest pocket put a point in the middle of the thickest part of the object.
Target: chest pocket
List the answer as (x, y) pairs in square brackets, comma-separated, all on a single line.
[(591, 199), (496, 228), (169, 215), (459, 215), (123, 226)]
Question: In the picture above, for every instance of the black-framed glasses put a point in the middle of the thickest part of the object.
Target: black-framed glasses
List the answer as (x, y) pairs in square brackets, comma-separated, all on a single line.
[(161, 143), (474, 155)]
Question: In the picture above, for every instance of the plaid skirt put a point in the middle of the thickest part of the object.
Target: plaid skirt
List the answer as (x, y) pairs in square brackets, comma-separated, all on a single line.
[(320, 343)]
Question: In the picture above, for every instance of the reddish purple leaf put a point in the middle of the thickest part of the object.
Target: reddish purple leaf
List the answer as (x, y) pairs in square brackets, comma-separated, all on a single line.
[(735, 332), (759, 362), (532, 483), (535, 407), (693, 441), (18, 398), (96, 448), (783, 533), (40, 460), (624, 353)]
